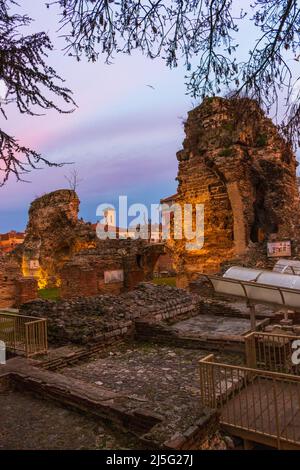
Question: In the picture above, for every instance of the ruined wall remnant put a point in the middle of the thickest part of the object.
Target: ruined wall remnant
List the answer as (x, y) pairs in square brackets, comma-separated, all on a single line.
[(86, 320), (235, 163), (61, 250), (53, 235), (113, 267), (14, 288), (9, 241), (164, 265)]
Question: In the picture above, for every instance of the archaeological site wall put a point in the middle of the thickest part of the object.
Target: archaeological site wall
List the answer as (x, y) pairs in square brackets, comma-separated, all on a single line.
[(86, 320), (53, 234), (115, 266), (14, 288), (61, 250), (235, 163)]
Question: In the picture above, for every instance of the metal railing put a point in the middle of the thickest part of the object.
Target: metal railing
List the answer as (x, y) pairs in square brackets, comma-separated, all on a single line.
[(255, 404), (23, 333), (255, 291), (273, 352)]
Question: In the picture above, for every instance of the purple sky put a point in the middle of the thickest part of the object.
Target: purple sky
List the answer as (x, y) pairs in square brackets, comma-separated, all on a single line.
[(123, 137)]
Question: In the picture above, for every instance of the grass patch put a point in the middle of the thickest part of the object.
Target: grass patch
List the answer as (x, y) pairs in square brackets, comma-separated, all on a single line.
[(165, 281), (51, 293)]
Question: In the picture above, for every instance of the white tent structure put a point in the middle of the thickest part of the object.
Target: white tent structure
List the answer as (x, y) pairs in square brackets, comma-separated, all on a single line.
[(259, 286), (287, 266)]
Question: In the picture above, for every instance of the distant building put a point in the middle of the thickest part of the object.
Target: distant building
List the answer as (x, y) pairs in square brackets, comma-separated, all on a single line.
[(113, 231), (155, 233), (167, 208), (145, 231), (170, 200), (168, 205), (9, 241), (110, 216), (164, 265)]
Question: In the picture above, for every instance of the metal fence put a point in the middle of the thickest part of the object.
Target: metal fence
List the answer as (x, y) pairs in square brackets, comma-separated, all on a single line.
[(255, 404), (23, 333), (273, 352)]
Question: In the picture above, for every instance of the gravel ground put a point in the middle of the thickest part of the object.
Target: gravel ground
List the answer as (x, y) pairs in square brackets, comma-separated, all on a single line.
[(28, 423), (165, 380)]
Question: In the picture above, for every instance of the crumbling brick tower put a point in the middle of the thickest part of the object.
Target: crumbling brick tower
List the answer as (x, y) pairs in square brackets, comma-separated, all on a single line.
[(53, 235), (235, 163)]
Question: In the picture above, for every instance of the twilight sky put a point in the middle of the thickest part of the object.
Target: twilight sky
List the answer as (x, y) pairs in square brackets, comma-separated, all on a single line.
[(123, 137)]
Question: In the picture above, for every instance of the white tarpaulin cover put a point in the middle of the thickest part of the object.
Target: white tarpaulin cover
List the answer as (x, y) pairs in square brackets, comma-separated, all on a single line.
[(260, 286)]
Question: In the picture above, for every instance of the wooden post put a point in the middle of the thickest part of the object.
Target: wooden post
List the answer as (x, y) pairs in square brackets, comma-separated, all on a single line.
[(252, 316), (250, 348)]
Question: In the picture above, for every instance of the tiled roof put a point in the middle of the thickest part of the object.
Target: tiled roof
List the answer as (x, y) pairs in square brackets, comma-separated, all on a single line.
[(169, 198)]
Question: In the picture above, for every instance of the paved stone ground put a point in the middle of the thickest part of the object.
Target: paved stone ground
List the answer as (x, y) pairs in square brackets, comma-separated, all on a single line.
[(262, 310), (213, 325), (165, 380), (30, 423)]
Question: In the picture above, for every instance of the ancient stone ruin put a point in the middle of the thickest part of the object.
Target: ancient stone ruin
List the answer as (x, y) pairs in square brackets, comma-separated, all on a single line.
[(104, 317), (14, 288), (9, 241), (168, 367), (53, 235), (113, 267), (61, 250), (235, 163)]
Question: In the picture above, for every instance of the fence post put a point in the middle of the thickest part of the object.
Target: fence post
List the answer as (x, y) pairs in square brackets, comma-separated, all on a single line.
[(276, 414), (252, 316), (26, 340), (24, 333), (45, 336), (202, 384), (250, 350), (15, 334), (211, 385)]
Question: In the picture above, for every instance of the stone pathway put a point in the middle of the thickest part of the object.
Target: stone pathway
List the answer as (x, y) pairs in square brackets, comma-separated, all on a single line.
[(163, 380), (213, 325), (30, 423)]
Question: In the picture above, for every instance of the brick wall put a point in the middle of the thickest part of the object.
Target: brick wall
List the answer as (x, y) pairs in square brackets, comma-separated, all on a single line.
[(199, 435), (14, 289), (236, 164), (84, 274), (26, 290), (93, 319)]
